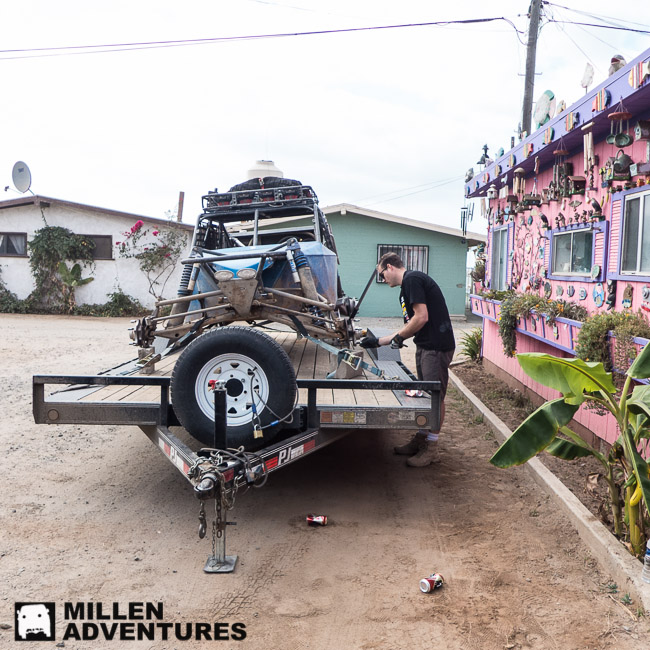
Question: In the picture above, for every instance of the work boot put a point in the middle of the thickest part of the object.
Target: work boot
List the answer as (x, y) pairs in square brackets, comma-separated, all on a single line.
[(427, 453), (412, 446)]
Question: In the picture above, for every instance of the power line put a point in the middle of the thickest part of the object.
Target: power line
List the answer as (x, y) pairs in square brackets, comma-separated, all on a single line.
[(622, 29), (427, 189), (146, 45), (606, 19)]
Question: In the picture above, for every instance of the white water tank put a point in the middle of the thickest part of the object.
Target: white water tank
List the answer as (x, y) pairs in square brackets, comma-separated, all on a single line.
[(263, 168)]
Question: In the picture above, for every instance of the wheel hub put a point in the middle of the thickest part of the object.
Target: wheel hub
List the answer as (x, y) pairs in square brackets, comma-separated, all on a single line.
[(246, 384)]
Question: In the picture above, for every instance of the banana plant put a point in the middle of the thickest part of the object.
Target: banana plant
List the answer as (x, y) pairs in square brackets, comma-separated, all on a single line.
[(70, 280), (582, 382)]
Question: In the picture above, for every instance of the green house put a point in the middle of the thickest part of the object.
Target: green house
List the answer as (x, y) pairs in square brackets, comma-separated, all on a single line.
[(363, 236)]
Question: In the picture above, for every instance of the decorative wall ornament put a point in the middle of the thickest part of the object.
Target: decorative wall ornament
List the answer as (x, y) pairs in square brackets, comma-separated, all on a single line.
[(570, 291), (572, 120), (599, 294), (547, 290), (544, 108), (639, 74), (601, 100), (628, 293), (583, 294), (611, 294), (528, 149), (549, 134)]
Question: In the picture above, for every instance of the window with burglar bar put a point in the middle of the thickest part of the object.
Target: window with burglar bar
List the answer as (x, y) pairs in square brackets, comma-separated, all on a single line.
[(415, 258), (13, 244), (636, 235)]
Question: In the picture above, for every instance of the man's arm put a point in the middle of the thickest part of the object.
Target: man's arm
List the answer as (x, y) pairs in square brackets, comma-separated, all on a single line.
[(415, 324)]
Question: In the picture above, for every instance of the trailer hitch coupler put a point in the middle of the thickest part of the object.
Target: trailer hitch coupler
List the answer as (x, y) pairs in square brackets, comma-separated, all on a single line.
[(206, 488)]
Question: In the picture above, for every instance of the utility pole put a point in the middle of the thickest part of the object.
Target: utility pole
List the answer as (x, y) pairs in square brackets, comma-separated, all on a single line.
[(531, 52)]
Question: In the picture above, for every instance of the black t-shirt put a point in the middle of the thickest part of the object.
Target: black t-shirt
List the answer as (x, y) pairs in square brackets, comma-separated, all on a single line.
[(437, 334)]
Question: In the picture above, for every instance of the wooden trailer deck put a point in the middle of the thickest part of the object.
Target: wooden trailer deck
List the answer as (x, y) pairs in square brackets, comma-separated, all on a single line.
[(310, 362)]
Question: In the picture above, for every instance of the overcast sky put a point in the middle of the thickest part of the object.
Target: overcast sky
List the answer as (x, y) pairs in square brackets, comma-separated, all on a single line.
[(388, 119)]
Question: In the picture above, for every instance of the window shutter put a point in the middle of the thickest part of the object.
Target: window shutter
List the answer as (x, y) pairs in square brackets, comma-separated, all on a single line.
[(615, 236)]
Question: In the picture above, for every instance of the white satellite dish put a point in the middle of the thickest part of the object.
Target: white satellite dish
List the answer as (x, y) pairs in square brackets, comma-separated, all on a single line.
[(588, 76), (21, 177)]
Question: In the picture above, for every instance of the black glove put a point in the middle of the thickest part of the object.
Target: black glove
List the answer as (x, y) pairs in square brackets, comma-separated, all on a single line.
[(369, 342), (397, 342)]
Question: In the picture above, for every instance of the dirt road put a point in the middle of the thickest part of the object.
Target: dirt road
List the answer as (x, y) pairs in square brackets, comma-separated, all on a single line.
[(97, 514)]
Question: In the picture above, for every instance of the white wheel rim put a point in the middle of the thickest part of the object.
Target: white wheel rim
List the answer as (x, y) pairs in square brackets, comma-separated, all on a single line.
[(245, 383)]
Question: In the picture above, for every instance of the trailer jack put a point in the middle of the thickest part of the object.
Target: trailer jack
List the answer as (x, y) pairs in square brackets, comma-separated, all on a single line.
[(218, 562)]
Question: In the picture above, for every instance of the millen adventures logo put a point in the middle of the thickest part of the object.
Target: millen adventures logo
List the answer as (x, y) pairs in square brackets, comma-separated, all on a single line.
[(136, 621)]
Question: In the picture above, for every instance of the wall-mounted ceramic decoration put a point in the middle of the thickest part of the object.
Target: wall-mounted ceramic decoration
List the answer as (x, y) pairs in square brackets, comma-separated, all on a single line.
[(556, 333), (638, 74), (533, 323), (628, 293), (512, 161), (530, 219), (595, 271), (572, 120), (549, 134), (528, 149), (544, 108), (583, 294), (601, 100), (599, 295), (527, 247), (497, 170), (541, 251), (570, 291), (547, 290), (559, 290), (610, 301), (561, 107)]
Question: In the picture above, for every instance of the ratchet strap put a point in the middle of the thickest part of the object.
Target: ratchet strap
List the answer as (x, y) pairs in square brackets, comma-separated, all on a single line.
[(342, 356)]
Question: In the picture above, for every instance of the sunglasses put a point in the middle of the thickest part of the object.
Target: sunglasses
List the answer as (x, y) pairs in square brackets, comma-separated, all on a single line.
[(381, 274)]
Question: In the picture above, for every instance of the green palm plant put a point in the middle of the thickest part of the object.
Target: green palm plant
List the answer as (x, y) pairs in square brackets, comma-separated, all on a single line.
[(70, 280), (581, 382)]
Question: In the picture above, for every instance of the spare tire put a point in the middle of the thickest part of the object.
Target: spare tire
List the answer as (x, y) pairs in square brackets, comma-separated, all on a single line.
[(255, 369)]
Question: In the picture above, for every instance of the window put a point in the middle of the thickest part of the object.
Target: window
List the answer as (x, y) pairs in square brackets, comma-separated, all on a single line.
[(572, 253), (499, 259), (635, 257), (14, 244), (415, 258), (103, 246)]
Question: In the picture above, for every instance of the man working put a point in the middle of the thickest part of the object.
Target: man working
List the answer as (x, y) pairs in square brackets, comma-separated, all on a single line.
[(426, 318)]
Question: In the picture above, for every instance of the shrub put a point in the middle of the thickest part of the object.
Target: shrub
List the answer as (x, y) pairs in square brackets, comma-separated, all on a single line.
[(470, 344)]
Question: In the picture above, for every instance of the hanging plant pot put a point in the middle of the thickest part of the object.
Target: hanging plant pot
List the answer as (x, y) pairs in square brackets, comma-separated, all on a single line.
[(619, 115)]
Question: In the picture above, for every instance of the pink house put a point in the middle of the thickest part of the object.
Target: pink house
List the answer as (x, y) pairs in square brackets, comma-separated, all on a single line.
[(569, 218)]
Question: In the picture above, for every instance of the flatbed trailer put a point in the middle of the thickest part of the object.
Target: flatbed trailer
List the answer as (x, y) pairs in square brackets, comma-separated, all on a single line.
[(326, 410)]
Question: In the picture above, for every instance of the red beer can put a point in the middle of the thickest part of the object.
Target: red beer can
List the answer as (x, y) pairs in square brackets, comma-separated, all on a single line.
[(434, 581), (317, 520)]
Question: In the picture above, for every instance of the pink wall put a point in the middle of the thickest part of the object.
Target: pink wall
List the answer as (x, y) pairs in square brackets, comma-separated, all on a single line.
[(604, 427)]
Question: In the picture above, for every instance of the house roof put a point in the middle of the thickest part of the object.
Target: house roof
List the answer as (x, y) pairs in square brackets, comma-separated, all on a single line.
[(46, 201), (566, 130), (472, 238)]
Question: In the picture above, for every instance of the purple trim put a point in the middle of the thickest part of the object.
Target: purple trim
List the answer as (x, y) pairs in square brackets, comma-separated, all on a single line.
[(601, 226), (618, 274)]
